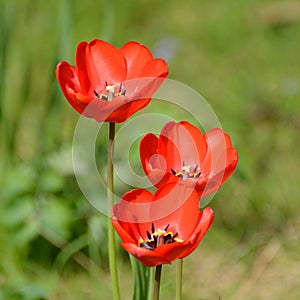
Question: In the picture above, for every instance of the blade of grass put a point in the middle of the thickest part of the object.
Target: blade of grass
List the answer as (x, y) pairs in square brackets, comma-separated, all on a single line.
[(150, 283), (7, 17), (179, 279), (140, 279)]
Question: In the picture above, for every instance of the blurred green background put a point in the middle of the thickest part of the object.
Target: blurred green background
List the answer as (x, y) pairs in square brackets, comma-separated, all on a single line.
[(242, 56)]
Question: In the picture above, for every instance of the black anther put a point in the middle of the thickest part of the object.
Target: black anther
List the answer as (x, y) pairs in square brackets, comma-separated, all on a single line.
[(96, 94)]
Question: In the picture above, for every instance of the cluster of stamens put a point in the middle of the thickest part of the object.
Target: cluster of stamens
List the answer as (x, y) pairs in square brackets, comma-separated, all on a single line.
[(187, 172), (158, 237), (111, 91)]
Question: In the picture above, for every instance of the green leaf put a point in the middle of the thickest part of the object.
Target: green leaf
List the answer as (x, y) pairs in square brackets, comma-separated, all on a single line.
[(57, 216), (141, 275), (70, 249), (51, 181)]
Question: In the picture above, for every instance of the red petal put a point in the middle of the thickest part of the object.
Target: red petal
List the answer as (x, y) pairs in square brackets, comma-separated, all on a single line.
[(148, 149), (132, 209), (154, 74), (231, 157), (178, 145), (138, 196), (98, 62), (175, 250), (147, 257), (214, 183), (134, 206), (172, 204), (163, 254), (177, 205), (68, 80), (155, 68), (123, 112), (198, 138), (153, 163), (117, 110), (216, 137), (81, 67), (205, 220), (219, 163), (217, 143), (126, 233), (136, 56), (167, 148)]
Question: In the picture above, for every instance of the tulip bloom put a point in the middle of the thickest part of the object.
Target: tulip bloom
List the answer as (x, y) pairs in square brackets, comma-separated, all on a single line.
[(110, 84), (183, 153), (160, 228)]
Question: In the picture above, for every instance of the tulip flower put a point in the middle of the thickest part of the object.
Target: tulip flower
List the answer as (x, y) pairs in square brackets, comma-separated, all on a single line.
[(160, 228), (183, 153), (110, 84)]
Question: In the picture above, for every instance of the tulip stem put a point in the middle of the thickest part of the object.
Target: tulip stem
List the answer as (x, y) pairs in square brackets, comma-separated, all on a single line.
[(110, 203), (157, 282), (179, 279)]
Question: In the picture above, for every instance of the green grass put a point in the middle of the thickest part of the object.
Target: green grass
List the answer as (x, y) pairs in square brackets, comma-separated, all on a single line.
[(241, 56)]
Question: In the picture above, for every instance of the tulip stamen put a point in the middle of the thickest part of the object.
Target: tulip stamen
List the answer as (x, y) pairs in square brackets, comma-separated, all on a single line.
[(187, 172), (96, 94), (152, 228), (158, 237), (111, 92), (149, 235)]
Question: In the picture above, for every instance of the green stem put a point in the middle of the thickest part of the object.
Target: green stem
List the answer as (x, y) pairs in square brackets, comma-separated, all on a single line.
[(179, 279), (150, 284), (110, 203), (157, 282)]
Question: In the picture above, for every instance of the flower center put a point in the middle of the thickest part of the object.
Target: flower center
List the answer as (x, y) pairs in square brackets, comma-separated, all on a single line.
[(187, 172), (111, 91), (158, 237)]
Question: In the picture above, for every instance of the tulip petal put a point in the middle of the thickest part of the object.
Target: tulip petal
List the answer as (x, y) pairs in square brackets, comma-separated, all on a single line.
[(198, 138), (115, 111), (154, 164), (126, 233), (69, 83), (205, 220), (134, 206), (147, 257), (174, 250), (218, 142), (168, 149), (179, 145), (174, 204), (126, 110), (155, 68), (148, 149), (98, 62), (220, 175), (230, 157), (136, 56), (216, 138)]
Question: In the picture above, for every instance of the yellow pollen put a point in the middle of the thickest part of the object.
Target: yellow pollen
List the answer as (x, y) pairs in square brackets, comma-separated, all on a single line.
[(157, 238)]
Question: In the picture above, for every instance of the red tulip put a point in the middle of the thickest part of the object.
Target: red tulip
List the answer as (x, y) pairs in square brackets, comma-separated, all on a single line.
[(160, 228), (183, 153), (110, 84)]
